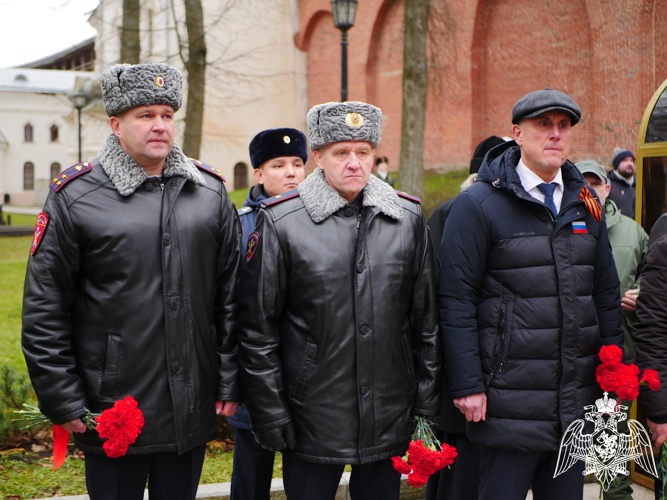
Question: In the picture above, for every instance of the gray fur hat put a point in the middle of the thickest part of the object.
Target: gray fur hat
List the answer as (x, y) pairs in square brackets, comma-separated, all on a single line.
[(127, 86), (343, 121)]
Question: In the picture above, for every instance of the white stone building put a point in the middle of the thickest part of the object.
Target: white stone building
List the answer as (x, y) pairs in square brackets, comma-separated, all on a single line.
[(38, 136), (256, 79)]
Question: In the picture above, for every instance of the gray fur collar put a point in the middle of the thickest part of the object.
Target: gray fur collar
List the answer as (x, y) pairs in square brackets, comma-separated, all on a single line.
[(126, 175), (321, 200)]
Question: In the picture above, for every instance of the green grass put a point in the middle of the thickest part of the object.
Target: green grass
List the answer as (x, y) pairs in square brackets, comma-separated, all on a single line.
[(13, 260), (20, 219), (439, 188), (239, 196)]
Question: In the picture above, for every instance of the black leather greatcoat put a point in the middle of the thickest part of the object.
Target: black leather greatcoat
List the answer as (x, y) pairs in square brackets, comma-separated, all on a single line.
[(135, 295), (338, 325)]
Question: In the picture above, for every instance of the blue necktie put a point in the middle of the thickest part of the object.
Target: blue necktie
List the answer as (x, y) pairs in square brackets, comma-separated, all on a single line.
[(548, 192)]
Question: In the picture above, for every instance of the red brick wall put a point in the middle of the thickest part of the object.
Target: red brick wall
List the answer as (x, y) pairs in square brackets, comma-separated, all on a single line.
[(609, 56)]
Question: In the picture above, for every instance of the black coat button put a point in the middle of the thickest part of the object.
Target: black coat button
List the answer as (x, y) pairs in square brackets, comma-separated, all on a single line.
[(364, 330), (148, 186), (360, 268), (349, 212), (166, 240), (175, 367), (364, 391), (173, 303)]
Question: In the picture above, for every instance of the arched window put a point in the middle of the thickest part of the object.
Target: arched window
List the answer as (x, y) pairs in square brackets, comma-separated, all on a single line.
[(27, 133), (28, 176), (240, 176), (54, 133), (55, 170)]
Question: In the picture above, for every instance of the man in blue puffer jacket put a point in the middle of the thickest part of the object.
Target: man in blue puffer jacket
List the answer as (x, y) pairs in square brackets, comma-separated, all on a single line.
[(278, 157), (528, 292)]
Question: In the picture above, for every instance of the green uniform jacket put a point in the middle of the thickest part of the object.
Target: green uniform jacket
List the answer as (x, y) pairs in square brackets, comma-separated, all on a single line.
[(629, 244)]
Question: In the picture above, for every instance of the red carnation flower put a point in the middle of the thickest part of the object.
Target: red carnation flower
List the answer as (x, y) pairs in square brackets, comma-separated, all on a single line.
[(611, 355), (651, 378), (121, 425), (606, 378), (447, 455), (417, 479), (401, 465)]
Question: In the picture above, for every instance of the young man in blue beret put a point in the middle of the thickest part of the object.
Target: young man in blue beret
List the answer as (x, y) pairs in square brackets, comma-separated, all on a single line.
[(278, 157)]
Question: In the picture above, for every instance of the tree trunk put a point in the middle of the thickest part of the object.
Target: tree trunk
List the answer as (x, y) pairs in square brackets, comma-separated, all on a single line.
[(415, 86), (130, 45), (196, 66)]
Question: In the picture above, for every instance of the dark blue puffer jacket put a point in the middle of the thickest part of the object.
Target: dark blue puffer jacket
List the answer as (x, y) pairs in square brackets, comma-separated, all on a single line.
[(525, 304), (248, 216)]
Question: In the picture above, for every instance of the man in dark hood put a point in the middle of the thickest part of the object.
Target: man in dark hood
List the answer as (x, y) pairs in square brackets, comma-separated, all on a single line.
[(528, 293)]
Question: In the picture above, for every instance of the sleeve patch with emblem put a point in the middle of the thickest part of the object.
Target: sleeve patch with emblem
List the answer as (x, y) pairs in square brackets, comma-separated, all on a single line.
[(40, 227), (253, 241)]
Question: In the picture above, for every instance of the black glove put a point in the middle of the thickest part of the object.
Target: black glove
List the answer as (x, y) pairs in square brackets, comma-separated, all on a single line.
[(278, 439)]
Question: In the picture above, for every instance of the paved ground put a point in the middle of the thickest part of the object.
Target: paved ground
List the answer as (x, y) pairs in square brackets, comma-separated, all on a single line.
[(221, 492)]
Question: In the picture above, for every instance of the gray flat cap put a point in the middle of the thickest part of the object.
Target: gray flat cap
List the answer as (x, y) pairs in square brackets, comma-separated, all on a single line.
[(343, 121), (541, 101), (126, 86), (592, 167)]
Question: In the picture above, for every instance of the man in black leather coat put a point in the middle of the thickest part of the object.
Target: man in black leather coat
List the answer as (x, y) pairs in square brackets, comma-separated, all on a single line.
[(338, 336), (130, 291)]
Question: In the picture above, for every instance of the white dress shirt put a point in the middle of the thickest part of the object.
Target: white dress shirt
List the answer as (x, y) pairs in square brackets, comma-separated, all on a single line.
[(530, 180)]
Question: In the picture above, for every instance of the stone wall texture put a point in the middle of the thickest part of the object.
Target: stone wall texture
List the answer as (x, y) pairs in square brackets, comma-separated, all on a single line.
[(610, 56)]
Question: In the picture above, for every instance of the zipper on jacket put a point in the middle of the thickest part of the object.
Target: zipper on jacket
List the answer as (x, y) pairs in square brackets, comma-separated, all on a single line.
[(358, 220), (498, 363), (161, 187)]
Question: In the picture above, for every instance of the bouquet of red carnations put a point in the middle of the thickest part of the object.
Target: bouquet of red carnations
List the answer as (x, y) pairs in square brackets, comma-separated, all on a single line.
[(120, 425), (425, 455), (621, 379)]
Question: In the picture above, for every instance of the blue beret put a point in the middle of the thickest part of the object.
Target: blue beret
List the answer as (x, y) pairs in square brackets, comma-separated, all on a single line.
[(542, 101), (275, 143)]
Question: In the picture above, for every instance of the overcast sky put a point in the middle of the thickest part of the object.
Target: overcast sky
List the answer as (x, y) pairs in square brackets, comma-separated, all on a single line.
[(32, 29)]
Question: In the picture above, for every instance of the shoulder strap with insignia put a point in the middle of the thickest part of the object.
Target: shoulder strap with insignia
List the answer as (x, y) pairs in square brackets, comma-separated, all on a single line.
[(68, 174), (407, 196), (244, 210), (209, 169), (281, 197)]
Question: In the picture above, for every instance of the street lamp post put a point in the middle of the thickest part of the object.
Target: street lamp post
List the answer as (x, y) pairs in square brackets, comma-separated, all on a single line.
[(79, 100), (344, 12)]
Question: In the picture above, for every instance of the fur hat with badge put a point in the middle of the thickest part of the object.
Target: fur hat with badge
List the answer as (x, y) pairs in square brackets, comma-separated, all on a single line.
[(343, 121), (127, 86), (277, 142)]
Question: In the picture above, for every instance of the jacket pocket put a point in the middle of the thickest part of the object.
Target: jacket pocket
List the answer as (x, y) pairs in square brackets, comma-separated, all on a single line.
[(305, 371), (408, 360), (112, 367)]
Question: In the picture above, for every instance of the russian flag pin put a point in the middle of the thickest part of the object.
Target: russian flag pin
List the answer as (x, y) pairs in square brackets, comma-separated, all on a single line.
[(579, 227)]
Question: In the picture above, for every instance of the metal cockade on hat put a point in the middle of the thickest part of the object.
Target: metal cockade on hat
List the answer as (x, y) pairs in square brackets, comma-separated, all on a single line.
[(344, 121), (126, 86)]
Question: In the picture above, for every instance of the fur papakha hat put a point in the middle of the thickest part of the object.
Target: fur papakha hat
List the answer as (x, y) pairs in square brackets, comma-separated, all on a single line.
[(343, 121), (127, 86)]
